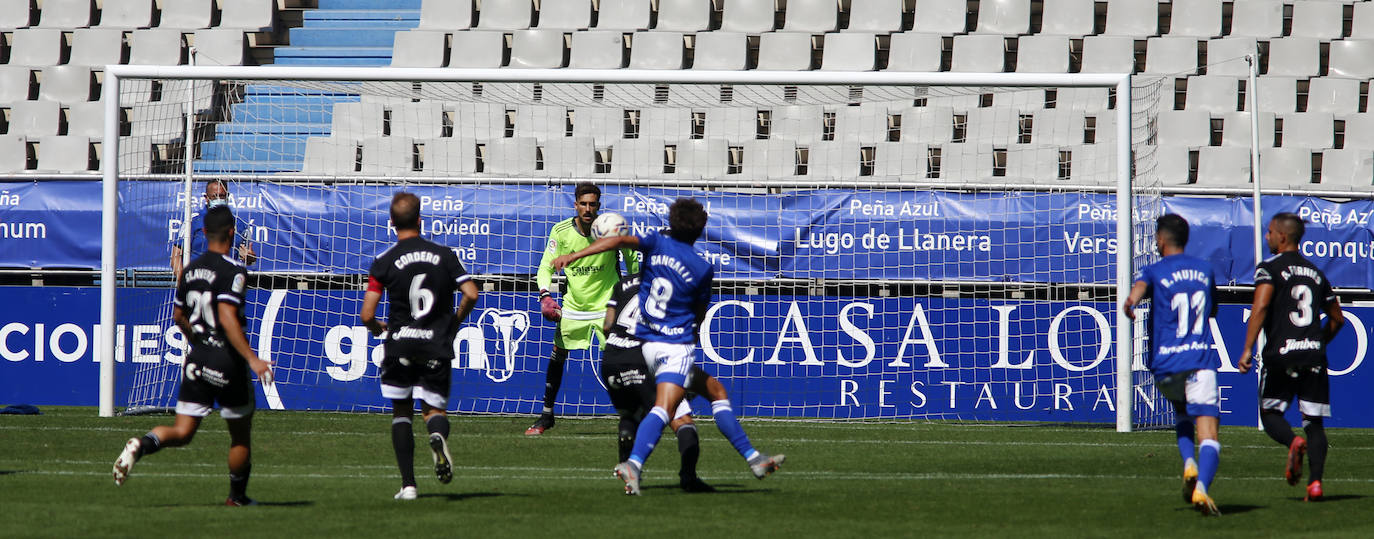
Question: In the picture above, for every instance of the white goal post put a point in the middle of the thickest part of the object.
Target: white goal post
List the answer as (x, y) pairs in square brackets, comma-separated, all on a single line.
[(1127, 129)]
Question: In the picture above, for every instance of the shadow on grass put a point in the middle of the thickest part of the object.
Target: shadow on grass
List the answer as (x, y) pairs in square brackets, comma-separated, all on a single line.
[(296, 503), (1333, 498), (458, 497), (8, 472), (300, 503), (1227, 509), (721, 488)]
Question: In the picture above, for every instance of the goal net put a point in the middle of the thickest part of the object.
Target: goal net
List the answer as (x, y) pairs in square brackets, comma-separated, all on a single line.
[(934, 246)]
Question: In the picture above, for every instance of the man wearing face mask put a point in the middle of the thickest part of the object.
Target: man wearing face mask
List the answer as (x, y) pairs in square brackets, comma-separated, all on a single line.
[(216, 194)]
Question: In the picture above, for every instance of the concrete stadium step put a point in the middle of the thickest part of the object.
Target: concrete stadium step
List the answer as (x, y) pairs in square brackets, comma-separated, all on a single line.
[(277, 113), (360, 15), (343, 37), (334, 62), (359, 56), (255, 147), (328, 24), (369, 4), (251, 128), (246, 167)]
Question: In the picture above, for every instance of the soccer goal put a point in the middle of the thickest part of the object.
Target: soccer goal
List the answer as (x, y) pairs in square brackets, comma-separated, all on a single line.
[(947, 246)]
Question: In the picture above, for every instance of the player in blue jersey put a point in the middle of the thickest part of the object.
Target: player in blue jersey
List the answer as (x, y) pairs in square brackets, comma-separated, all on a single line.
[(673, 302), (1183, 302)]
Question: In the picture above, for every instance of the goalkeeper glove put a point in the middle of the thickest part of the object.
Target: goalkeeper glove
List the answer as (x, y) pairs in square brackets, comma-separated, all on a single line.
[(549, 307)]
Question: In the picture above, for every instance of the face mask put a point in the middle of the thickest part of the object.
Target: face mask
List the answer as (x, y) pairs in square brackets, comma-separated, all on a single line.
[(215, 202)]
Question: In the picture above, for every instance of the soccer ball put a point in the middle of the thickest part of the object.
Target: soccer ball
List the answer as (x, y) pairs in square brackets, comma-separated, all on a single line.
[(608, 224)]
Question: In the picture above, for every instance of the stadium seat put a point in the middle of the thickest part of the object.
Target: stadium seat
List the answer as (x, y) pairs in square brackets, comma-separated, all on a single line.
[(597, 49), (849, 51), (1294, 57), (1213, 93), (901, 161), (357, 120), (834, 159), (157, 123), (747, 16), (64, 154), (1042, 54), (537, 48), (220, 47), (1352, 58), (565, 14), (1286, 168), (65, 84), (1024, 101), (386, 156), (1350, 169), (704, 158), (16, 83), (1359, 130), (731, 123), (66, 14), (97, 47), (158, 46), (1313, 130), (1004, 17), (784, 51), (684, 15), (999, 127), (1084, 99), (637, 158), (507, 15), (126, 14), (1319, 19), (866, 123), (1171, 164), (947, 17), (927, 125), (1095, 164), (1195, 18), (35, 118), (966, 163), (1362, 21), (1262, 19), (1276, 94), (1132, 18), (480, 121), (802, 124), (601, 124), (419, 120), (419, 48), (477, 49), (37, 47), (910, 51), (87, 120), (1226, 56), (623, 15), (187, 15), (1030, 164), (815, 16), (768, 159), (1223, 167), (1235, 129), (248, 15), (1334, 95), (1191, 128), (328, 156), (449, 156), (1057, 127), (877, 16), (1068, 18), (723, 51), (664, 122), (445, 16), (541, 122), (568, 157), (1108, 54), (979, 53), (14, 153), (1171, 55), (16, 14), (657, 50)]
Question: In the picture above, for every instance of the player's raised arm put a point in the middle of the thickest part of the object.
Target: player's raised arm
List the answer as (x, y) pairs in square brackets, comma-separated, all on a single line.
[(599, 246)]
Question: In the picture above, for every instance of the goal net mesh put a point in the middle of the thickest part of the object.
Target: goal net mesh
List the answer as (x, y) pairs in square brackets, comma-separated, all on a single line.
[(936, 252)]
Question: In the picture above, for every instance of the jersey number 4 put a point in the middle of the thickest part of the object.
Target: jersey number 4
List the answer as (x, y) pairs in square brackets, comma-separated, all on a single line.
[(1184, 305)]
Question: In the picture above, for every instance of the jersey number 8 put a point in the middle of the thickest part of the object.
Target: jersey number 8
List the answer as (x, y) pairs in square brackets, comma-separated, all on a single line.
[(659, 293)]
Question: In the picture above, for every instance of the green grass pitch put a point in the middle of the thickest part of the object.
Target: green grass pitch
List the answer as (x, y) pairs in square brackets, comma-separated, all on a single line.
[(326, 474)]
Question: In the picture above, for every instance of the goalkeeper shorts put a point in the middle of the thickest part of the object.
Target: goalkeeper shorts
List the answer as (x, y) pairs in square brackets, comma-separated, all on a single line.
[(577, 334)]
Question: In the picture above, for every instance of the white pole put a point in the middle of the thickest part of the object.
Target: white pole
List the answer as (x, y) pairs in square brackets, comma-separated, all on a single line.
[(1252, 99), (188, 155), (1125, 206), (109, 231)]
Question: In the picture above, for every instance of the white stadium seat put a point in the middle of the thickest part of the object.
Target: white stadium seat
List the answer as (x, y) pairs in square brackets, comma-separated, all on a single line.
[(14, 153), (445, 15), (325, 155), (785, 51), (511, 156), (37, 47), (928, 125), (565, 14), (64, 154), (537, 48), (1042, 54), (1262, 19), (385, 156), (768, 159), (721, 51), (126, 14), (1057, 127), (1223, 167), (910, 51), (220, 47), (1235, 129), (1277, 94), (747, 16), (903, 161), (999, 127), (248, 15), (1171, 55), (813, 16), (1319, 19), (624, 15), (1359, 130), (1362, 21), (417, 120), (1095, 164), (97, 47), (702, 158), (506, 15), (18, 14), (1132, 18), (87, 120), (1226, 56), (157, 46), (1068, 18), (1031, 164), (601, 125), (1313, 130), (832, 159), (568, 157), (1213, 93), (979, 53), (1352, 58), (1171, 164), (945, 17), (357, 120), (542, 122), (684, 15), (1192, 128), (1286, 168), (964, 163), (657, 50), (35, 118), (1108, 54), (849, 51), (448, 155), (419, 48), (1196, 18), (16, 83), (877, 16), (1294, 56), (187, 14), (597, 49), (66, 14), (1004, 17), (477, 48), (1334, 95), (1351, 169), (66, 84)]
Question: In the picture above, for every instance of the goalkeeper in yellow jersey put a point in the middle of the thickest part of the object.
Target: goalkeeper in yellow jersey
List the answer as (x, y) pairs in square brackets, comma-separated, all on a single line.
[(590, 282)]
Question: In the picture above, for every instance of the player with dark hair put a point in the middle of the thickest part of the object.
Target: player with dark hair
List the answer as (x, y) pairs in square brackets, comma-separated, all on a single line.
[(216, 194), (1290, 296), (589, 284), (1183, 301), (420, 278), (208, 308), (672, 308)]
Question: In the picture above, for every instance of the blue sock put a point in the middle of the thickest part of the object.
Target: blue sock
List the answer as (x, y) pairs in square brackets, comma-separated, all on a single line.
[(1208, 457), (1184, 430), (650, 430), (729, 426)]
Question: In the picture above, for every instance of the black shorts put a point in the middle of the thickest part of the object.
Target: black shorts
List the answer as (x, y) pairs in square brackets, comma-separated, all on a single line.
[(416, 376), (1308, 381), (215, 375), (630, 383)]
